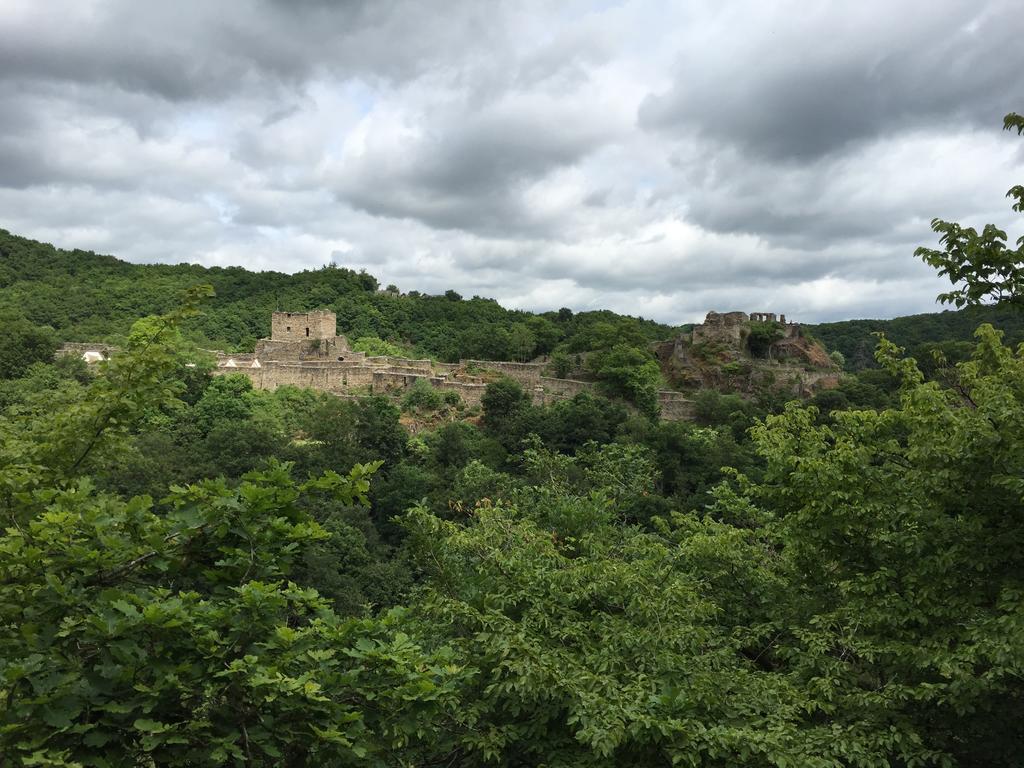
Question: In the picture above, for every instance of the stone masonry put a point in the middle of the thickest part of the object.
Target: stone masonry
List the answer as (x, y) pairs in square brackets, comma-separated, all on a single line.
[(305, 351), (303, 326)]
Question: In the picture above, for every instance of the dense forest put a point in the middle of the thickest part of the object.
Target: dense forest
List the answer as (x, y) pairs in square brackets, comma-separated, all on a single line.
[(196, 573), (950, 333)]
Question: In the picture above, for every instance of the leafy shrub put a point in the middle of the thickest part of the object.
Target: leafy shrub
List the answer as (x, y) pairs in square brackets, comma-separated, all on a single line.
[(373, 346), (761, 337), (422, 396)]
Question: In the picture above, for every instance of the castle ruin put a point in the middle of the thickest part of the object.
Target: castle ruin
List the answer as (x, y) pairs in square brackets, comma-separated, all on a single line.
[(732, 327), (702, 358), (304, 350), (303, 326)]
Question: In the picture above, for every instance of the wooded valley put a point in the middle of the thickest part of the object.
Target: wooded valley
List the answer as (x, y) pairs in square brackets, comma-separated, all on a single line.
[(194, 572)]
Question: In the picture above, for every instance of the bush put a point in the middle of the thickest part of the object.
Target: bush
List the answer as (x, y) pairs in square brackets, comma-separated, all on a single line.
[(629, 372), (561, 365), (22, 344), (762, 336), (422, 396), (376, 347)]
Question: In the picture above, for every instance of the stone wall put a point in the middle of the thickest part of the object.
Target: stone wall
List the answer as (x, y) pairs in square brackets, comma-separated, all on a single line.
[(326, 376), (471, 394), (314, 349), (396, 382), (423, 366), (323, 362), (795, 379), (728, 327), (524, 373), (563, 388), (301, 326), (390, 381), (238, 361), (674, 406)]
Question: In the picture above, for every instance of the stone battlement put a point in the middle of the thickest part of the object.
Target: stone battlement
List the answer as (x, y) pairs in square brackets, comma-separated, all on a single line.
[(733, 327), (767, 317)]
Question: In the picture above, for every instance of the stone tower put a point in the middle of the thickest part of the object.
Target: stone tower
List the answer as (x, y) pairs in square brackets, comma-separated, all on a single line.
[(303, 326)]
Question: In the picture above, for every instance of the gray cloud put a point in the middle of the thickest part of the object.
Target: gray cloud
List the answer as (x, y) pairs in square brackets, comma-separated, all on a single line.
[(193, 49), (795, 83), (652, 158), (471, 173)]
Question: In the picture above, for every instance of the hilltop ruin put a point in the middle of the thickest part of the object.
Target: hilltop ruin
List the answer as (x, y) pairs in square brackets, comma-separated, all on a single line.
[(305, 350), (734, 351)]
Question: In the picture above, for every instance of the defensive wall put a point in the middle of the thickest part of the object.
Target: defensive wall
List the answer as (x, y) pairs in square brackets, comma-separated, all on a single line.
[(363, 376), (423, 366), (674, 406), (550, 390), (796, 379), (525, 373), (305, 351)]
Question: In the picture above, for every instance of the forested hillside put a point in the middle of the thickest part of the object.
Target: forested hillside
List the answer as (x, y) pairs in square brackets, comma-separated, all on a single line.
[(88, 297), (84, 296), (951, 332), (197, 573)]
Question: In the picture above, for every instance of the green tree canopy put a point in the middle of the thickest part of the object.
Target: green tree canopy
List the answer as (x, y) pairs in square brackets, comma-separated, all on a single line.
[(23, 343), (980, 265)]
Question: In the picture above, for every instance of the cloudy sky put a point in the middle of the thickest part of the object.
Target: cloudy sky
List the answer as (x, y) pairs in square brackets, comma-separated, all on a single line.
[(656, 158)]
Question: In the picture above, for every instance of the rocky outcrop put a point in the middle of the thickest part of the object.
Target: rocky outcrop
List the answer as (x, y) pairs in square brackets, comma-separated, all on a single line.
[(737, 352)]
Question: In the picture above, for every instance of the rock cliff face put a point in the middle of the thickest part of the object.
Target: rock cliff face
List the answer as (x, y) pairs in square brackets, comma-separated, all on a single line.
[(733, 351)]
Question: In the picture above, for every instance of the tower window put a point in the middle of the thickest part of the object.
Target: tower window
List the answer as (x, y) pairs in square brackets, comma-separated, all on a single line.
[(288, 327), (307, 332)]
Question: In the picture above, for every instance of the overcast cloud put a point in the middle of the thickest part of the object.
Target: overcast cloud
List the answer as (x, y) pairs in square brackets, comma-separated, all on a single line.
[(655, 158)]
